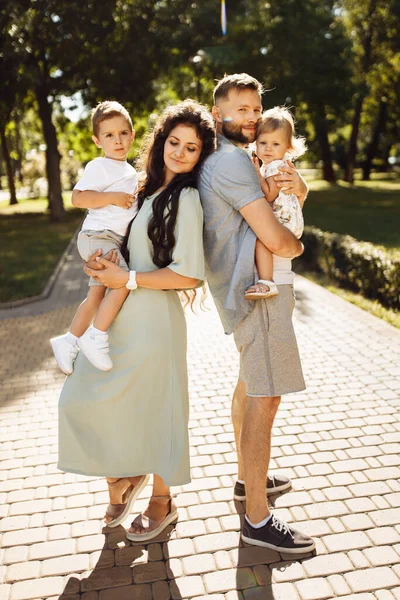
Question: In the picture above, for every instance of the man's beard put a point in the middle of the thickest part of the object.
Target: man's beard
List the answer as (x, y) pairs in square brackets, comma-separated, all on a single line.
[(234, 133)]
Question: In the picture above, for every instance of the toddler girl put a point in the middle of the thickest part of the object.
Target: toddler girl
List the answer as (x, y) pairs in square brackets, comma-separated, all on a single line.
[(275, 144)]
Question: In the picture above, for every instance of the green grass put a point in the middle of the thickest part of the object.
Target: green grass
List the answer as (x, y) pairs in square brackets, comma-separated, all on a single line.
[(372, 306), (31, 246), (368, 211)]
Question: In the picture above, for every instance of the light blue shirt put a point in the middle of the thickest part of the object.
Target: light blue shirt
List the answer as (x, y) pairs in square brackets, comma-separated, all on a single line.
[(228, 181)]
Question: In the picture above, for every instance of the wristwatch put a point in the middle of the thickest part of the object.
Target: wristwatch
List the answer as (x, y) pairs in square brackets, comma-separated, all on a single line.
[(131, 283)]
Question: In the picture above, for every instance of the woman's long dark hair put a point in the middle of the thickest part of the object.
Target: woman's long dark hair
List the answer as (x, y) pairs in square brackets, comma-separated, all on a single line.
[(165, 206)]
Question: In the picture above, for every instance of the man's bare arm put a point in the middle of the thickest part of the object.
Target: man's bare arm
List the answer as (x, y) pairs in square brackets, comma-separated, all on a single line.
[(277, 238)]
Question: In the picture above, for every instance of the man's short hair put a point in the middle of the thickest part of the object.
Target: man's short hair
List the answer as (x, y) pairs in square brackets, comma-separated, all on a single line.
[(238, 81), (107, 110)]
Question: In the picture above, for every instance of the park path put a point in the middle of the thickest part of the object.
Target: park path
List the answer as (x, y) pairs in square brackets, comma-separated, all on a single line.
[(339, 441)]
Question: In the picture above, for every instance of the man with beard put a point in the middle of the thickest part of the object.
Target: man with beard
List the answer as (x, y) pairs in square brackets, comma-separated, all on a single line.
[(236, 213)]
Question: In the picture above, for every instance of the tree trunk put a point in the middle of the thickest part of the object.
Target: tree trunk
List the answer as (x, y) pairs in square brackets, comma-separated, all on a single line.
[(366, 65), (56, 206), (374, 143), (18, 145), (321, 132), (352, 153), (7, 160)]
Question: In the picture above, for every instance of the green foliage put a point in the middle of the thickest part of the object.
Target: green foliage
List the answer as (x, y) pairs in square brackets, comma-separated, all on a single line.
[(357, 266), (369, 211), (28, 260)]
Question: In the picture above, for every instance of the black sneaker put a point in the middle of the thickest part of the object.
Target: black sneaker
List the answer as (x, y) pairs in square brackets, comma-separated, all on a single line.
[(275, 485), (277, 535)]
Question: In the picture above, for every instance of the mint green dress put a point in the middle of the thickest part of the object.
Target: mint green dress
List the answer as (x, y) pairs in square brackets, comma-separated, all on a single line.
[(133, 419)]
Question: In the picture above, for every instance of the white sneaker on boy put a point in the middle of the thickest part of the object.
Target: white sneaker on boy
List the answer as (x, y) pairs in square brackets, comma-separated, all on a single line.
[(94, 345), (65, 352)]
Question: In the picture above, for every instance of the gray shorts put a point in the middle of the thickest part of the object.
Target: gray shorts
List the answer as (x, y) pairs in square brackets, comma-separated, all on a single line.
[(269, 359), (89, 241)]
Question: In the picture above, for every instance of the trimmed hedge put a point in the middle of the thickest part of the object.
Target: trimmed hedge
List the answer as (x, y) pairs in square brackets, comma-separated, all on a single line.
[(358, 266)]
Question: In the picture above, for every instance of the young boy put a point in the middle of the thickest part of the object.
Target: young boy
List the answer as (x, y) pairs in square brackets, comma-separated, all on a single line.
[(108, 184)]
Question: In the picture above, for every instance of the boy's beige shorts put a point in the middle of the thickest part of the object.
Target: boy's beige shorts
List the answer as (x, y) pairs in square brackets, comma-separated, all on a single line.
[(89, 241), (269, 358)]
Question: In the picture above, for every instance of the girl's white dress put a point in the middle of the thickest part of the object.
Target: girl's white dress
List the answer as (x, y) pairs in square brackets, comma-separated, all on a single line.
[(286, 207)]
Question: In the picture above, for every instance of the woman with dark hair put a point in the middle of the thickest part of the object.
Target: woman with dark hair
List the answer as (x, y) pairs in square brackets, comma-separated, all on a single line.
[(133, 421)]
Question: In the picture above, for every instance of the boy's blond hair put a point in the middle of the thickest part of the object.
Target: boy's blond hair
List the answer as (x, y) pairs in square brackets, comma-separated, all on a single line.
[(280, 117), (107, 110)]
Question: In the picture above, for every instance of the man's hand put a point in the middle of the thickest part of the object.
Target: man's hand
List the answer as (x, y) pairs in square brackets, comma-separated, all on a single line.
[(110, 274), (123, 200), (292, 182)]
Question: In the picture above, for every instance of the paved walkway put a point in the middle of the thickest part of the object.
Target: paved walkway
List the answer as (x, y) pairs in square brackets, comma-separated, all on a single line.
[(339, 441)]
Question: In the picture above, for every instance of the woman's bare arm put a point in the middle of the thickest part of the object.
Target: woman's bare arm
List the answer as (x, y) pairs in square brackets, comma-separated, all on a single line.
[(113, 276)]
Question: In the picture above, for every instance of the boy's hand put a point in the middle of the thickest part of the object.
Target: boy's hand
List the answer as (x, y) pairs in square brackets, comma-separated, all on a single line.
[(92, 263), (123, 200)]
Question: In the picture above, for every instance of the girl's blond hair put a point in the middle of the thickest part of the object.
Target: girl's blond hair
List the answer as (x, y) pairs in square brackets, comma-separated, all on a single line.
[(280, 117)]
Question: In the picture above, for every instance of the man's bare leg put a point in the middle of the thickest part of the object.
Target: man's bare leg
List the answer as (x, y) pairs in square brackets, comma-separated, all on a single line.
[(255, 448)]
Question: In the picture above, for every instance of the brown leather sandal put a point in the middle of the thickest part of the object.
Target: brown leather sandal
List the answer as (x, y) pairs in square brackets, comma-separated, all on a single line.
[(123, 493), (146, 523)]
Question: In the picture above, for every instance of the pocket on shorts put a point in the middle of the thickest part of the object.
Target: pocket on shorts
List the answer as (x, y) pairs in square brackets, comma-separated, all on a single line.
[(244, 333)]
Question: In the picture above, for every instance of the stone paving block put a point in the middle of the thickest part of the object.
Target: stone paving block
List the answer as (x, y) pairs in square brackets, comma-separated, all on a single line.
[(191, 529), (29, 508), (130, 555), (149, 572), (382, 536), (187, 587), (65, 564), (160, 591), (278, 591), (178, 548), (215, 509), (347, 541), (250, 556), (282, 572), (385, 517), (360, 505), (214, 542), (324, 510), (223, 581), (15, 554), (383, 555), (90, 543), (200, 563), (356, 522), (132, 592), (101, 579), (101, 559), (339, 585), (5, 591), (321, 566), (34, 589), (24, 570), (14, 523), (52, 549), (314, 589), (372, 579)]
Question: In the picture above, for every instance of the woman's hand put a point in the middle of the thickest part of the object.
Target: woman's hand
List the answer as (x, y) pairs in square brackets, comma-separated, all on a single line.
[(109, 274), (291, 181), (112, 256)]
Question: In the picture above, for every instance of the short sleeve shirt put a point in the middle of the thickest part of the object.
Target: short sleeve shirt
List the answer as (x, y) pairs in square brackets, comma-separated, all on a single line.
[(109, 175), (228, 181)]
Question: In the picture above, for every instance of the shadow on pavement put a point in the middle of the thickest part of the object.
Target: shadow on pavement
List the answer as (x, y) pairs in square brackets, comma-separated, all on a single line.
[(127, 570), (256, 565)]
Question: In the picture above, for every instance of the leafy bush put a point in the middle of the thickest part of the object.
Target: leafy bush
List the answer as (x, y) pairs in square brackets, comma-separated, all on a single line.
[(358, 266)]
